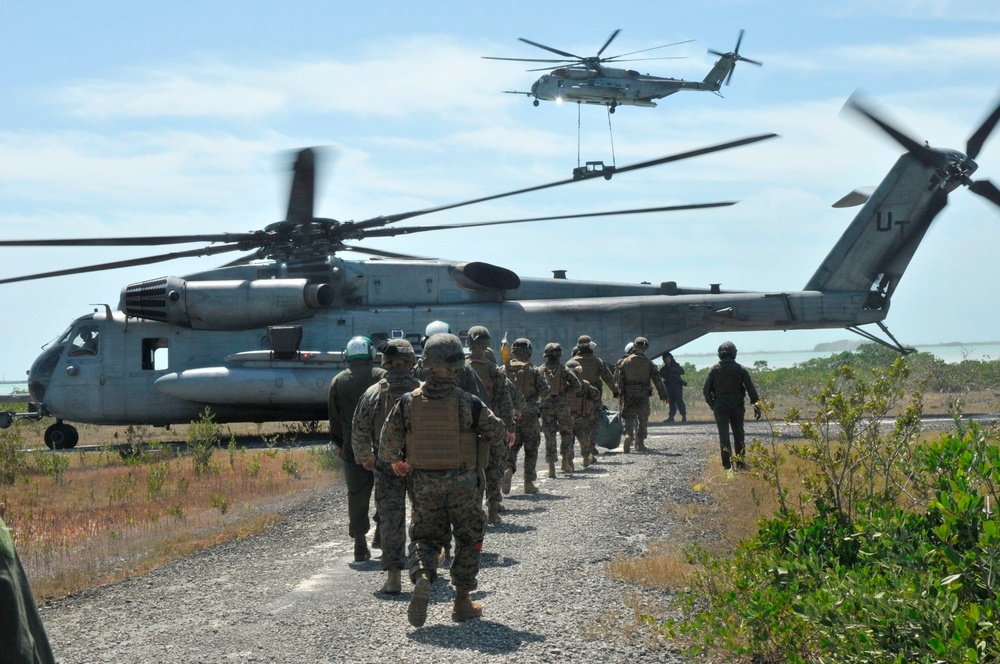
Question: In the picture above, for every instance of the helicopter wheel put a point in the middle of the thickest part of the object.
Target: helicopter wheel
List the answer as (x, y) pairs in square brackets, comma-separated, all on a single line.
[(61, 436), (612, 107), (534, 103), (5, 420)]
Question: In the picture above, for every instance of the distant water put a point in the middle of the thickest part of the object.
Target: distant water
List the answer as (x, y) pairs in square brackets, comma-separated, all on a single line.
[(951, 354)]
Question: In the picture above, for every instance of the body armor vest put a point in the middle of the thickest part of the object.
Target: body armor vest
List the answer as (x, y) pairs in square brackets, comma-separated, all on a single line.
[(590, 372), (434, 439), (482, 369), (580, 404), (522, 377), (637, 372), (554, 375)]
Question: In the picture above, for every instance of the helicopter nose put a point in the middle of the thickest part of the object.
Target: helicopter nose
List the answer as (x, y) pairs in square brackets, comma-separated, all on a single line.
[(40, 373)]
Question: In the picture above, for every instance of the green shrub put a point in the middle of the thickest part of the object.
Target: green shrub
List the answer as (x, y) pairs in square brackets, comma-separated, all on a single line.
[(202, 437), (12, 456)]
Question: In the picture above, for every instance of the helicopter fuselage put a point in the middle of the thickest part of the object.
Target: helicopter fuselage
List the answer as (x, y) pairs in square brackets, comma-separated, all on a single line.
[(610, 86)]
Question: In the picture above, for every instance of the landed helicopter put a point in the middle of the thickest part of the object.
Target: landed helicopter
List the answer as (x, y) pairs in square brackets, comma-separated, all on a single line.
[(588, 81), (235, 338)]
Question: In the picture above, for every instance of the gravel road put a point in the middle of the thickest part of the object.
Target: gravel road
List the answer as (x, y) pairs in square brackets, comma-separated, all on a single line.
[(293, 593)]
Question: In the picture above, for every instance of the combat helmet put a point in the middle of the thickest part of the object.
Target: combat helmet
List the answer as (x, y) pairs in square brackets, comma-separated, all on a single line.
[(553, 349), (444, 351), (585, 342), (574, 366), (521, 346), (360, 348), (398, 352), (727, 349), (478, 335), (629, 347)]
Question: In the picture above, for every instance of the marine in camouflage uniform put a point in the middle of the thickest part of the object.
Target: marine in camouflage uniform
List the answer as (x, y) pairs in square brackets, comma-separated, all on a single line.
[(434, 437), (556, 415), (633, 377), (594, 370), (726, 387), (500, 403), (22, 634), (346, 389), (531, 384), (584, 406), (398, 359)]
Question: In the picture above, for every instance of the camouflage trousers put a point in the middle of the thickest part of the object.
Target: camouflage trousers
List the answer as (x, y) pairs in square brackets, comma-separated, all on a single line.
[(528, 435), (494, 471), (444, 499), (635, 418), (390, 504), (585, 432), (556, 416)]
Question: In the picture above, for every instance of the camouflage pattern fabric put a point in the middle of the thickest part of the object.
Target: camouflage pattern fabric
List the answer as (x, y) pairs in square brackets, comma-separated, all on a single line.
[(556, 417), (530, 384), (586, 411), (22, 635), (527, 435), (635, 418), (390, 502), (501, 404)]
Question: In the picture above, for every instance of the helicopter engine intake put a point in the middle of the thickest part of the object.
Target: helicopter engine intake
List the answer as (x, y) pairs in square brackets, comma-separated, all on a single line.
[(224, 304)]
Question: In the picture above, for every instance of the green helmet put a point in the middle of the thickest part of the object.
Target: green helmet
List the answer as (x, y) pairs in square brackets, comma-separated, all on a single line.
[(398, 352), (553, 349), (521, 347), (727, 349), (360, 348), (444, 351), (479, 335)]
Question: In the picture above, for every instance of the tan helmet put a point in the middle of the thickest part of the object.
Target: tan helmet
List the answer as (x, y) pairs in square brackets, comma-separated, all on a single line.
[(553, 349), (398, 352), (521, 346), (585, 342), (444, 351), (641, 342), (479, 335), (727, 349), (574, 366)]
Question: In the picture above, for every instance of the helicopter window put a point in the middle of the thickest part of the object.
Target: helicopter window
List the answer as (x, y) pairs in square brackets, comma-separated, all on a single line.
[(378, 337), (155, 354), (85, 342), (560, 83)]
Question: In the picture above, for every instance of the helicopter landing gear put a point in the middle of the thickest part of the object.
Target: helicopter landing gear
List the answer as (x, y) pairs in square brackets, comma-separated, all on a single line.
[(535, 103), (612, 106), (6, 419), (61, 436)]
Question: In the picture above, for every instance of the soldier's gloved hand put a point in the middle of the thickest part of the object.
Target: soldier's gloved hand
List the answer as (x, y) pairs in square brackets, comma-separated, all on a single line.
[(401, 468), (510, 439), (757, 413), (369, 463)]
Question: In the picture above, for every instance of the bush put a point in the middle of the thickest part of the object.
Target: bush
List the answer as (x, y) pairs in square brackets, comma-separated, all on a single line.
[(202, 437), (893, 558), (12, 458)]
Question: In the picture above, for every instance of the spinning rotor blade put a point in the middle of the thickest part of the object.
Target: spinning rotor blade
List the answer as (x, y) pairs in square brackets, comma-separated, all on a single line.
[(389, 232), (132, 241), (622, 55), (976, 141), (986, 189), (490, 57), (205, 251), (551, 50), (610, 39), (925, 155), (303, 193), (393, 218), (385, 254)]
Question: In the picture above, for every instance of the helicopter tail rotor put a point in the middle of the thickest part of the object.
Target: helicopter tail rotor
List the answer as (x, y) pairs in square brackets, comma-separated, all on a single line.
[(953, 167), (734, 56)]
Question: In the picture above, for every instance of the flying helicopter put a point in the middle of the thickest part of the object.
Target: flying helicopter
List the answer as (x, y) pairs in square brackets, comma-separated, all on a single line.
[(587, 80), (252, 340)]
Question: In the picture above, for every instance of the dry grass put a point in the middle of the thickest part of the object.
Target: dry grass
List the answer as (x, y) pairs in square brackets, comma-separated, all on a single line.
[(102, 520)]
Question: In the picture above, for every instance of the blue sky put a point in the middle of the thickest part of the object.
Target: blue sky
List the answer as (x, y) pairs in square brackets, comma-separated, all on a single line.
[(124, 118)]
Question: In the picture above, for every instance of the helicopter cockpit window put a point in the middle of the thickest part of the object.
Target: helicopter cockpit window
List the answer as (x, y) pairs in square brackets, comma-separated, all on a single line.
[(85, 342), (155, 354)]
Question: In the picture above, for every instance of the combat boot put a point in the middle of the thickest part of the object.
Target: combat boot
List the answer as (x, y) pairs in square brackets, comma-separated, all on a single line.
[(416, 613), (684, 418), (552, 470), (361, 551), (465, 608), (641, 446), (567, 464), (505, 482), (393, 583), (628, 444), (529, 487), (493, 516)]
